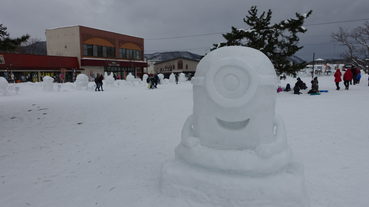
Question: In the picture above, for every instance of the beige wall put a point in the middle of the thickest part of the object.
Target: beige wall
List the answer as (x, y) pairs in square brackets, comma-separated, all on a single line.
[(172, 66), (63, 42)]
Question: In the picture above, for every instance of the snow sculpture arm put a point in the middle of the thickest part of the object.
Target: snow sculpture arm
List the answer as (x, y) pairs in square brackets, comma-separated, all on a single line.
[(276, 146)]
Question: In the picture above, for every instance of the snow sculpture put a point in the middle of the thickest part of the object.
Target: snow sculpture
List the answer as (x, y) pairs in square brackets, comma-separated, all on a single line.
[(81, 82), (233, 149), (161, 78), (109, 79), (47, 83), (144, 78), (130, 79), (172, 78), (182, 78), (4, 85)]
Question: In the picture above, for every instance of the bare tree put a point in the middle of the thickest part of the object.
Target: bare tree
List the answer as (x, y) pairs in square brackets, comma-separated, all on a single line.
[(357, 44)]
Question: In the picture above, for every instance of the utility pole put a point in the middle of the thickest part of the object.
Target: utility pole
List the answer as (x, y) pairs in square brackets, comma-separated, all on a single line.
[(312, 74)]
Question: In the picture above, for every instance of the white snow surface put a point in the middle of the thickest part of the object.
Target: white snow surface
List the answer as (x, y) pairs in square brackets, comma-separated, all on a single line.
[(87, 148)]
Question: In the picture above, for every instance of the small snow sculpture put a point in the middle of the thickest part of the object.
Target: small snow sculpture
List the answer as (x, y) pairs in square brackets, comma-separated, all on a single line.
[(233, 149), (109, 79), (144, 78), (130, 79), (47, 83), (161, 78), (182, 78), (172, 78), (81, 82), (4, 86)]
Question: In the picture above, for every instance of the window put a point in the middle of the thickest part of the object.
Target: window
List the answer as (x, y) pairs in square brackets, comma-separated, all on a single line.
[(98, 51), (180, 64), (88, 50)]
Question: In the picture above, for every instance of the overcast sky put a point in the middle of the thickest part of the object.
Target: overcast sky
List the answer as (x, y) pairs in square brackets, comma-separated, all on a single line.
[(185, 25)]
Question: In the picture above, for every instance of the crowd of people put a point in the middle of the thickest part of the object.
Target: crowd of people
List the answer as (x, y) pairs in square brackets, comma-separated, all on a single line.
[(351, 76)]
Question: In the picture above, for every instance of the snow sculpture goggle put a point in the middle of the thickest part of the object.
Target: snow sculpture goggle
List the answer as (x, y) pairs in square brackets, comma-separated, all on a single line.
[(231, 82)]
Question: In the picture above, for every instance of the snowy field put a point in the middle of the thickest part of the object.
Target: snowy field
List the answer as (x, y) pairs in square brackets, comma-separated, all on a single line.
[(86, 148)]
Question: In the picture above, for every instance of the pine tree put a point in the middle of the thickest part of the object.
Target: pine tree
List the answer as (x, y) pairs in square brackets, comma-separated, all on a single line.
[(8, 44), (278, 41)]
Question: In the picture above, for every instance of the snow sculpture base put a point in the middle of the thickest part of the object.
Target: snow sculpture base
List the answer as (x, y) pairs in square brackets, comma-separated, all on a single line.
[(282, 189)]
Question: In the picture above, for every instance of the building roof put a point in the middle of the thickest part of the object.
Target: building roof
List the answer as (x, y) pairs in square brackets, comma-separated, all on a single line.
[(166, 56), (13, 61)]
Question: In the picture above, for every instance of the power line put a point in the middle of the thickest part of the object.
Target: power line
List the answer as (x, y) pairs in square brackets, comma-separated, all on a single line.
[(218, 33), (338, 22)]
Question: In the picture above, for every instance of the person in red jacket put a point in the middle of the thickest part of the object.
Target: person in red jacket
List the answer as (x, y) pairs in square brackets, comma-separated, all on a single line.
[(347, 77), (337, 78)]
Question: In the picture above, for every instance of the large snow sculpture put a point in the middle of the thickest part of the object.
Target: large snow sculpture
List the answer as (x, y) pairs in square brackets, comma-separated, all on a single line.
[(233, 150), (81, 82), (48, 83), (3, 86)]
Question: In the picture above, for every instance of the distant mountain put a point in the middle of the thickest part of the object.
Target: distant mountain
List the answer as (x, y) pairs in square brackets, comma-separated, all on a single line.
[(165, 56), (36, 48), (296, 60)]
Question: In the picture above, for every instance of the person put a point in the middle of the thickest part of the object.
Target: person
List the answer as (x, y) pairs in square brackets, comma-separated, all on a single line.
[(314, 86), (288, 87), (101, 78), (279, 89), (296, 89), (358, 76), (156, 80), (301, 84), (150, 82), (176, 76), (337, 78), (97, 82), (347, 78)]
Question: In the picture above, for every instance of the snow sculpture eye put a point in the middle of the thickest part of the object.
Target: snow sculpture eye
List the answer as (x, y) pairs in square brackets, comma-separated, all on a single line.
[(231, 83)]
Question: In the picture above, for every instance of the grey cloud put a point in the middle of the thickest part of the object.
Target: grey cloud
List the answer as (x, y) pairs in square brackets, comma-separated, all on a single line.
[(172, 18)]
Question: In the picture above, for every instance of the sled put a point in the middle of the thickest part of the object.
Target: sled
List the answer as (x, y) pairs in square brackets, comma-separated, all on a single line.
[(313, 94)]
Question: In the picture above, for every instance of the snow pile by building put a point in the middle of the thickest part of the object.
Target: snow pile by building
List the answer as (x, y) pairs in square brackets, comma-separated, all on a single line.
[(81, 82), (48, 83), (233, 149)]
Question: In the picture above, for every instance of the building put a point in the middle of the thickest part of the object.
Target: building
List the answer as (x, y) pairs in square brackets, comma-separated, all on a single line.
[(24, 67), (98, 51), (173, 62)]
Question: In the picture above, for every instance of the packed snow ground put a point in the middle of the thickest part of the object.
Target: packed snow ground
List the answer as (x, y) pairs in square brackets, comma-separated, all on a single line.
[(86, 148)]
